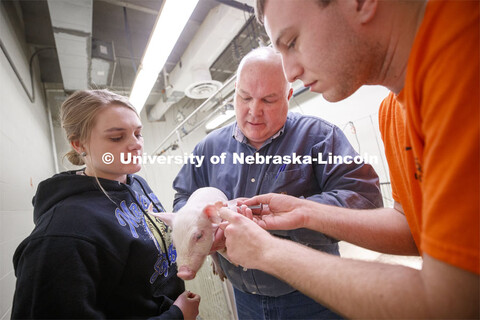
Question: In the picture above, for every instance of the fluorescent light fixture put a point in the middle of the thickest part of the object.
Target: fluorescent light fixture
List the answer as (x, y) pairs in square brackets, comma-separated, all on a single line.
[(218, 120), (170, 24)]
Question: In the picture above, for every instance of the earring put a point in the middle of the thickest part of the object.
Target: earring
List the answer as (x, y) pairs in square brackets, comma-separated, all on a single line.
[(83, 154)]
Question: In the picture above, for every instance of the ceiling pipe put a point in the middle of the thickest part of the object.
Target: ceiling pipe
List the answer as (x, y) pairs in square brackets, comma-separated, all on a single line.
[(131, 6), (214, 35), (227, 87), (235, 4)]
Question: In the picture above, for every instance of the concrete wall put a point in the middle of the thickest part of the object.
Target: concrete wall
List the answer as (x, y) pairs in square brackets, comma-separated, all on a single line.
[(357, 116), (26, 156)]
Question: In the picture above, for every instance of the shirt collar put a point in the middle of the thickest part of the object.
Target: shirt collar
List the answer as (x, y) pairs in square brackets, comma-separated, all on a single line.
[(401, 99), (238, 135)]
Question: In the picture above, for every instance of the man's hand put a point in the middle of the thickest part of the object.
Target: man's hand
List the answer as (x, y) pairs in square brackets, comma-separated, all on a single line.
[(246, 242), (280, 212), (219, 238)]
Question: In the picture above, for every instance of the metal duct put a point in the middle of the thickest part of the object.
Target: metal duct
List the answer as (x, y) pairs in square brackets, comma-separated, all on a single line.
[(72, 30), (202, 86), (214, 35)]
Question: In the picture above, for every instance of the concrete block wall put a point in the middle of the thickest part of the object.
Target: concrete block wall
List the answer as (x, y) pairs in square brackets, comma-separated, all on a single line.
[(26, 156), (357, 116)]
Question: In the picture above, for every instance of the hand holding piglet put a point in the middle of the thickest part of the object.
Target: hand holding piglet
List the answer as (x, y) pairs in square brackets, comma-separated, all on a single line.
[(247, 243), (194, 231), (219, 240)]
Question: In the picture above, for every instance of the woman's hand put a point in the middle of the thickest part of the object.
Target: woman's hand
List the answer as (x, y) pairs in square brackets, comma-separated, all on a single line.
[(188, 302)]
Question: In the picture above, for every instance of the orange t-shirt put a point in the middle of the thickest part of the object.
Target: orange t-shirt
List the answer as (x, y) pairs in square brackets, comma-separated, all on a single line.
[(431, 132)]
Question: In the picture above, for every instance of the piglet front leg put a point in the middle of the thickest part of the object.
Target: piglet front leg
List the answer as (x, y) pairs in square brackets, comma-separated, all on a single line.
[(217, 270)]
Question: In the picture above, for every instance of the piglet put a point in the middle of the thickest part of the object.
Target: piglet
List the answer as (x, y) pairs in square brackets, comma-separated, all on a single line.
[(193, 230)]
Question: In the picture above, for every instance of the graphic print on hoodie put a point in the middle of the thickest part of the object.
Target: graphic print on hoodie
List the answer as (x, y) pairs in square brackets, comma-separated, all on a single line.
[(94, 257), (130, 215)]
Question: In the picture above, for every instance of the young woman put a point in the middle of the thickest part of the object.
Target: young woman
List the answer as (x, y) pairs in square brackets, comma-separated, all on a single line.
[(95, 251)]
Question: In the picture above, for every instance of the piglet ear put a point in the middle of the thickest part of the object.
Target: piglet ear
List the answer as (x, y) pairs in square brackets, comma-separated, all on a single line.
[(211, 211), (166, 217)]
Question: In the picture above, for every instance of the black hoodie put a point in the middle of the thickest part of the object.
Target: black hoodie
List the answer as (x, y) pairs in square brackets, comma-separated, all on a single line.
[(94, 257)]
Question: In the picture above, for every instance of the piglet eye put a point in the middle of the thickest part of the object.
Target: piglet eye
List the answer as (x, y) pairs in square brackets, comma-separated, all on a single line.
[(198, 236)]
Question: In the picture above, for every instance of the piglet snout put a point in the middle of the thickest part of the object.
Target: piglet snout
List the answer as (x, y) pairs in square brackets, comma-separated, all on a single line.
[(186, 273)]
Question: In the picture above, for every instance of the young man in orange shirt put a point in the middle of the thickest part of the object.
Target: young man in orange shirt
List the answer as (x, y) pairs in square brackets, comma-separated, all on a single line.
[(427, 54)]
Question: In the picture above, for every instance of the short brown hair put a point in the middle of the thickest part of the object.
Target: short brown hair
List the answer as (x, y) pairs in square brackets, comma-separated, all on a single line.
[(260, 8)]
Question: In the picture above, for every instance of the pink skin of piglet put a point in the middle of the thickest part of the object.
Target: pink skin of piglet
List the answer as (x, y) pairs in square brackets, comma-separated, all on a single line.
[(193, 230)]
